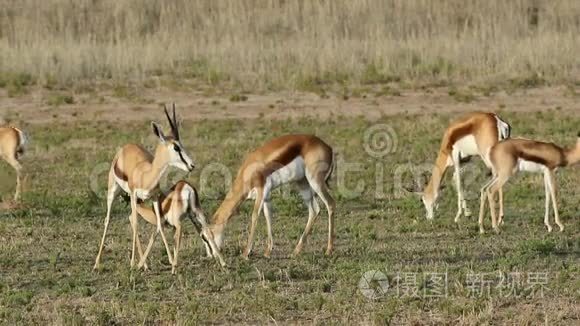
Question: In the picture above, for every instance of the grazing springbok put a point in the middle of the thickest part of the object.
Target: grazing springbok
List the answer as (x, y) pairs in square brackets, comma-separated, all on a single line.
[(137, 172), (12, 144), (513, 155), (181, 201), (470, 135), (305, 160)]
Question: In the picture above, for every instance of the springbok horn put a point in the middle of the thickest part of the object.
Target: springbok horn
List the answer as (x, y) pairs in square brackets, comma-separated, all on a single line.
[(175, 123), (173, 128)]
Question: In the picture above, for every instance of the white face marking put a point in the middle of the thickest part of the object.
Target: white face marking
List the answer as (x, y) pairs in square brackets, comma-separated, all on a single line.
[(529, 166), (467, 146)]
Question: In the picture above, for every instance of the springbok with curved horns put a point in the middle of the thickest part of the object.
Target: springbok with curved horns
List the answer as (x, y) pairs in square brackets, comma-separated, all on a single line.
[(305, 160), (513, 155), (137, 172), (12, 144), (470, 135)]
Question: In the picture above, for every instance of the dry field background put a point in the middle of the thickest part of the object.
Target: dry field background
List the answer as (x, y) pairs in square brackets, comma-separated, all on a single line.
[(273, 44)]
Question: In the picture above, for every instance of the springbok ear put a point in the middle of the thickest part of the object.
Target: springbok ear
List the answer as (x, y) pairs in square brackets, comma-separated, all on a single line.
[(158, 132)]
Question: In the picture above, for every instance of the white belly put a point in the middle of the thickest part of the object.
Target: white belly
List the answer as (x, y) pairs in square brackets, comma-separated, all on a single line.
[(529, 166), (467, 146), (141, 193), (293, 171)]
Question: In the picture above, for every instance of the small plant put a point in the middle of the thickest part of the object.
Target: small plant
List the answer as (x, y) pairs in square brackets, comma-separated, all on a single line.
[(462, 96), (15, 83), (531, 81), (388, 91), (373, 74), (238, 98), (536, 246), (60, 99)]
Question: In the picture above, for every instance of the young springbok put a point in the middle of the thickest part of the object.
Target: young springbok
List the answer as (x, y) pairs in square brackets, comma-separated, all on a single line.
[(135, 171), (12, 144), (513, 155), (470, 135), (181, 201), (305, 160)]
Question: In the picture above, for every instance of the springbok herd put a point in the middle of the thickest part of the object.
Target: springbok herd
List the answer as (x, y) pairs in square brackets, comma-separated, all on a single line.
[(306, 161)]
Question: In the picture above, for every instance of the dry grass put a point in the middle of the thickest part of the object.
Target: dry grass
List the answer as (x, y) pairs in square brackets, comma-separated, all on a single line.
[(289, 44)]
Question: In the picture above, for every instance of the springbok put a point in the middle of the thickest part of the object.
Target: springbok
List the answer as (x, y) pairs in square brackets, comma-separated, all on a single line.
[(513, 155), (470, 135), (12, 145), (137, 172), (305, 160), (182, 200)]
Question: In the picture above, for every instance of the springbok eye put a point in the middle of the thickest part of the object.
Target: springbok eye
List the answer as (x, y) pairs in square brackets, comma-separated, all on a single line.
[(176, 148)]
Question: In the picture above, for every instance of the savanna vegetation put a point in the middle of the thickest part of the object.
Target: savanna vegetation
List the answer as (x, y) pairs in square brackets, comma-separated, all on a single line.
[(48, 246)]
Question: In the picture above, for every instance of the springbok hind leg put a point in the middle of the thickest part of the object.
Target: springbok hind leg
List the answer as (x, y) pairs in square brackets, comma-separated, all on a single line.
[(547, 210), (18, 168), (321, 189), (553, 190), (113, 190), (313, 212), (493, 189), (483, 198)]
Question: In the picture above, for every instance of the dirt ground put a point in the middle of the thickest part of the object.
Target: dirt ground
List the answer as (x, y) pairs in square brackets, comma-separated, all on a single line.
[(32, 108)]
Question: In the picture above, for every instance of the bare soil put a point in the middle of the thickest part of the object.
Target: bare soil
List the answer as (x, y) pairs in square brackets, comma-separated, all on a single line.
[(32, 108)]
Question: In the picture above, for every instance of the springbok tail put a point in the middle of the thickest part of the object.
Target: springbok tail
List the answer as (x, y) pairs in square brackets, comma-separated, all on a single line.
[(329, 173), (503, 128)]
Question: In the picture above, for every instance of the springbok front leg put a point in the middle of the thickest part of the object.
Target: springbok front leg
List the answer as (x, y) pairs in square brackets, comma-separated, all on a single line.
[(268, 216), (501, 213), (134, 226), (457, 176), (255, 214), (159, 229), (176, 246), (206, 235)]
